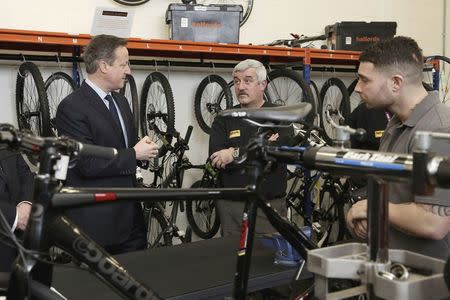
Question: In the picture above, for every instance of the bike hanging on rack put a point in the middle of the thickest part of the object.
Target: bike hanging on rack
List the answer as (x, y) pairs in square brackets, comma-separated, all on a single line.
[(129, 91), (212, 96), (335, 102)]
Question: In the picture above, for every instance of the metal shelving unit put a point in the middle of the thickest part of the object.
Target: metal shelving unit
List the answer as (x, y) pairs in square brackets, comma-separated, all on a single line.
[(43, 44)]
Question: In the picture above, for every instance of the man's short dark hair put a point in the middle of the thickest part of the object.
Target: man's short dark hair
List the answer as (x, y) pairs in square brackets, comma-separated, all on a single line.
[(101, 47), (400, 53)]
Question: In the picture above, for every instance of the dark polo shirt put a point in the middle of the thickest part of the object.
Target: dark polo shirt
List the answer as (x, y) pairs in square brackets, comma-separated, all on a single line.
[(429, 115)]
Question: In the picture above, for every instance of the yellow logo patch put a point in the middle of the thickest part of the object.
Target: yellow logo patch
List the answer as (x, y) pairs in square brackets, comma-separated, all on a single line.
[(378, 133), (235, 133)]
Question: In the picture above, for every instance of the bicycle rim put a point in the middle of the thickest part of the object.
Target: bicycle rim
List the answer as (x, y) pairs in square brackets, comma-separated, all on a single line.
[(437, 75), (31, 100), (156, 227), (328, 220), (247, 6), (208, 102), (335, 99), (287, 87), (157, 108), (316, 97), (129, 91), (202, 215), (58, 86)]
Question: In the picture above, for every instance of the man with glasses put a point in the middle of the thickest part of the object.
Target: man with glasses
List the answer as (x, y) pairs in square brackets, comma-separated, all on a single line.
[(229, 136), (96, 114)]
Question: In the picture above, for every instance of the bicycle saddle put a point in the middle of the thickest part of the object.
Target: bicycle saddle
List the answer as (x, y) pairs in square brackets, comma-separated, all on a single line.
[(294, 113)]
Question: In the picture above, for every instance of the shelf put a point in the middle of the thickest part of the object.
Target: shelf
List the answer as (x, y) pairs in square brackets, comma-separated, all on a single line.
[(63, 43)]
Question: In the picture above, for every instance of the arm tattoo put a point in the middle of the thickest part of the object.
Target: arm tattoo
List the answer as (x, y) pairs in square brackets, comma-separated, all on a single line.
[(439, 210)]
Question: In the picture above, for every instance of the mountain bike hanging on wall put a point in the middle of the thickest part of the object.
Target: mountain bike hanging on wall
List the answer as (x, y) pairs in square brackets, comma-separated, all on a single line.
[(211, 97), (129, 91)]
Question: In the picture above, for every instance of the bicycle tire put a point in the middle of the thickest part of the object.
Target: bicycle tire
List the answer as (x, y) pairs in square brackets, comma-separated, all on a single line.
[(129, 91), (316, 97), (440, 64), (207, 229), (131, 2), (334, 96), (287, 87), (168, 179), (29, 86), (247, 6), (332, 218), (157, 116), (208, 101), (354, 98), (57, 86), (155, 235)]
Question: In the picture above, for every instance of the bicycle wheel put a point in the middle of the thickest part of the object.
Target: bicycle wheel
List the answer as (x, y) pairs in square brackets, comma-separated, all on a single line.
[(329, 218), (335, 99), (247, 6), (287, 87), (31, 100), (129, 90), (202, 215), (436, 72), (208, 101), (354, 98), (58, 86), (157, 235), (157, 113), (168, 175)]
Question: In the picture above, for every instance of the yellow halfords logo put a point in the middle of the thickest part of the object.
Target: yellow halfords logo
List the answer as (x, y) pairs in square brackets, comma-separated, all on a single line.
[(378, 133), (235, 133)]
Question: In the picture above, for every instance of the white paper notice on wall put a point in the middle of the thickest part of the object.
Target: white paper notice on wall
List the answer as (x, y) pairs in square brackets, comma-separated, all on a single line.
[(348, 40), (114, 21), (184, 22)]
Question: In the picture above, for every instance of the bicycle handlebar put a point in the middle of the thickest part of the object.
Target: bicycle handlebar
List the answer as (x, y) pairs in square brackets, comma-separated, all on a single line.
[(34, 144)]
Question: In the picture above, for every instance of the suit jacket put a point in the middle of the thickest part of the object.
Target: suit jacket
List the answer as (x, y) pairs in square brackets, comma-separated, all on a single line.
[(16, 185), (83, 116)]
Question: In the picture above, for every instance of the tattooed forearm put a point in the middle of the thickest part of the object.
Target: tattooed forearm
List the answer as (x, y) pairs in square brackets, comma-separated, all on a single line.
[(442, 211)]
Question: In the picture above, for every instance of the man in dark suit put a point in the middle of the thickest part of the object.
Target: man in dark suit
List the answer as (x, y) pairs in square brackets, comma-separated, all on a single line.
[(16, 190), (95, 114)]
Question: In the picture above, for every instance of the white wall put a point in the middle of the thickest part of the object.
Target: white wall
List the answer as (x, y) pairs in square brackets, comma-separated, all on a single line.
[(270, 20)]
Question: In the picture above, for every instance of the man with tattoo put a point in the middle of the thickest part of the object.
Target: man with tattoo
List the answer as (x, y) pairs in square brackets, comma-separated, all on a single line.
[(390, 77)]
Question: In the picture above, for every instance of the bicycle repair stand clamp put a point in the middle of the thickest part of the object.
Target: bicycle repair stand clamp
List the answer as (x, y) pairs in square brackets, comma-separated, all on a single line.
[(381, 271)]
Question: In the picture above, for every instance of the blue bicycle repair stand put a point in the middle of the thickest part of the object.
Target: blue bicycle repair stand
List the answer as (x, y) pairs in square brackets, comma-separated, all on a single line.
[(285, 254)]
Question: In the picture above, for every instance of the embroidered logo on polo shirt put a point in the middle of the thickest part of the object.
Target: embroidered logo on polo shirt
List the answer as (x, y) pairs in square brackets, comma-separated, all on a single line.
[(235, 133), (378, 133)]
